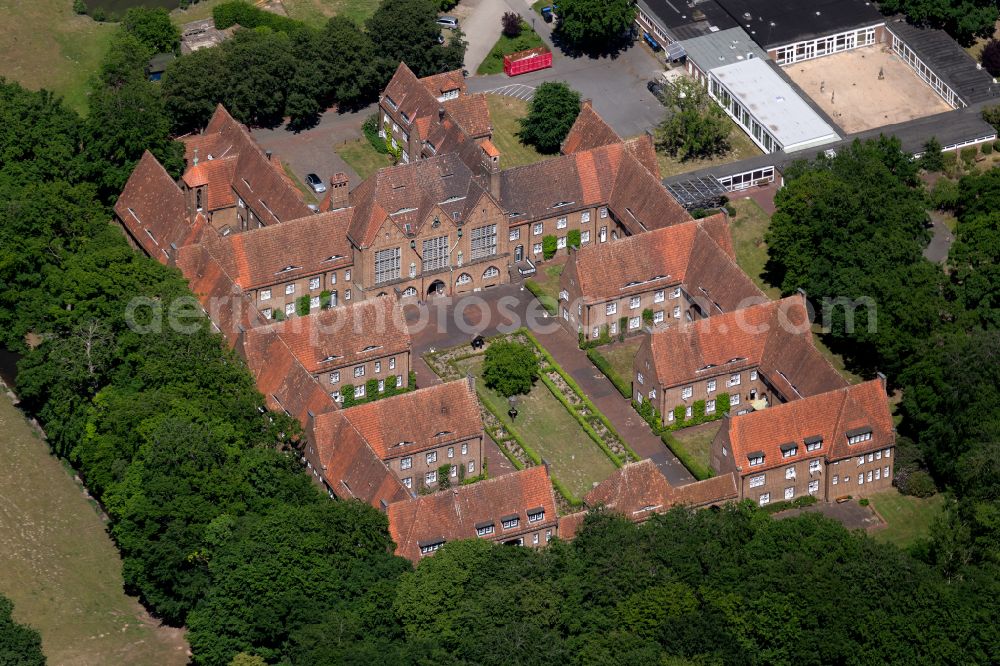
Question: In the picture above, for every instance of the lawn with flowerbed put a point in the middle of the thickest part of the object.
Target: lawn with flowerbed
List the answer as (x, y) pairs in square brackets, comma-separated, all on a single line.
[(555, 422)]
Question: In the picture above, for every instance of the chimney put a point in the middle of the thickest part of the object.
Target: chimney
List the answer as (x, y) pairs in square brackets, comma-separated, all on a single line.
[(440, 113), (267, 153), (339, 191), (491, 166), (882, 378)]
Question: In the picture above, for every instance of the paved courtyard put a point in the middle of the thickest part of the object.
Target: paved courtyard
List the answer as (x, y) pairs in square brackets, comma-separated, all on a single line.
[(848, 88), (850, 514)]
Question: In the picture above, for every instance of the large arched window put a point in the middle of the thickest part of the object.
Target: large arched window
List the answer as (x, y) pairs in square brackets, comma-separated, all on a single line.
[(464, 278), (491, 272), (409, 291)]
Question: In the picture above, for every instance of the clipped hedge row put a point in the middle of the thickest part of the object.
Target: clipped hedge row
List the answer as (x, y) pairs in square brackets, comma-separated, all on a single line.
[(228, 14), (697, 470), (604, 366)]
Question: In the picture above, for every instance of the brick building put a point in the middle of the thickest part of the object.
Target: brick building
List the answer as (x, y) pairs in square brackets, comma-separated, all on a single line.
[(758, 356), (828, 445), (417, 433), (681, 272), (350, 345), (517, 509)]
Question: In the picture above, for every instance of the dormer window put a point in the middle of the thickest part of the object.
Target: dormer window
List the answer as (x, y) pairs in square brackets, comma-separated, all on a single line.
[(370, 348), (536, 515), (485, 528), (858, 435), (756, 458), (442, 433), (813, 443), (428, 547), (288, 269), (510, 522), (390, 102), (789, 450), (328, 359), (333, 257), (560, 204)]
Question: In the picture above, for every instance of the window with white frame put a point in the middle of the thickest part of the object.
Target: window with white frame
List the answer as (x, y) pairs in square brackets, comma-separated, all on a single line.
[(658, 317), (753, 375), (861, 478), (836, 479), (814, 444), (289, 289), (491, 272), (514, 234), (710, 406), (670, 415), (538, 229), (359, 391), (314, 283), (266, 312), (789, 473), (510, 523), (454, 471), (335, 377), (676, 293), (604, 213), (869, 476), (359, 371), (484, 241), (878, 455), (687, 392), (465, 449), (431, 457), (534, 539), (485, 530), (677, 312), (464, 278), (413, 269), (537, 516), (611, 308), (584, 237), (888, 452), (387, 265), (813, 487), (536, 248), (860, 437), (764, 499), (658, 296), (333, 277), (427, 549), (871, 457), (734, 379), (634, 323), (756, 460), (561, 223), (431, 477), (405, 463), (885, 471), (710, 386), (408, 482), (756, 481), (814, 466), (613, 328), (265, 294), (861, 460), (789, 451), (652, 394), (435, 253), (314, 302), (878, 474), (789, 493), (634, 302), (378, 366), (585, 217), (409, 292), (289, 309), (734, 399), (347, 275), (561, 242)]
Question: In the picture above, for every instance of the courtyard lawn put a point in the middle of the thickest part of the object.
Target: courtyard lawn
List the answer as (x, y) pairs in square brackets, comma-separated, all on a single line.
[(317, 12), (493, 63), (545, 425), (362, 157), (43, 44), (908, 519), (504, 114), (741, 147), (697, 441), (621, 357), (60, 568)]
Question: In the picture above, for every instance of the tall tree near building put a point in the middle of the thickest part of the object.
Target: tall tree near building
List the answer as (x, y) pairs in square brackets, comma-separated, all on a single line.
[(962, 19), (510, 368), (153, 28), (405, 31), (349, 63), (695, 126), (990, 57), (553, 111), (595, 26)]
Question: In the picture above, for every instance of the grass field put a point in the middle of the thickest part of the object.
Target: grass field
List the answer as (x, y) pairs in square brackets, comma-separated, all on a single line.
[(318, 12), (362, 157), (493, 63), (43, 44), (621, 356), (61, 569), (697, 441), (741, 147), (908, 519), (504, 114), (550, 430)]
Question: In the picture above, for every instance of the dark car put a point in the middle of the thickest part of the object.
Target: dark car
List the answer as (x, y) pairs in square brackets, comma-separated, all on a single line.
[(547, 13), (657, 89), (316, 183)]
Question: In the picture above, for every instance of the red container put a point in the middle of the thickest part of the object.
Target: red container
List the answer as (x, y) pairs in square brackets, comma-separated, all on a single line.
[(531, 60)]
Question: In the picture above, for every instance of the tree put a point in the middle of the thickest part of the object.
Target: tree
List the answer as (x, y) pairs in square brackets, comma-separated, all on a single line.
[(510, 368), (694, 126), (153, 28), (405, 31), (511, 24), (962, 19), (932, 159), (595, 26), (19, 644), (991, 114), (349, 63), (192, 87), (259, 65), (553, 111), (990, 57)]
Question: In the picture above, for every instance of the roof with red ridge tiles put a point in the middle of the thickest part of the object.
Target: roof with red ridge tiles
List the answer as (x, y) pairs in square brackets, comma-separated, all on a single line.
[(589, 131)]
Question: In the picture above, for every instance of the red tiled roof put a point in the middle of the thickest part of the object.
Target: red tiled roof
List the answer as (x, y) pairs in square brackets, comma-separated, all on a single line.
[(681, 254), (438, 84), (285, 252), (489, 148), (349, 466), (638, 490), (344, 335), (153, 210), (453, 514), (644, 150), (418, 420), (829, 415), (570, 525), (471, 113), (774, 336), (230, 311), (588, 131)]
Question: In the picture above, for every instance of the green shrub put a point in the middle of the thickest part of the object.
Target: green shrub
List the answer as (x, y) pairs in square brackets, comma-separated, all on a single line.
[(730, 210), (932, 157), (99, 15), (647, 316), (604, 366), (573, 238), (917, 483), (444, 476), (987, 148), (510, 368), (721, 404), (370, 130), (325, 298), (302, 306), (622, 327), (371, 390), (699, 213), (996, 145), (79, 7), (347, 393), (969, 154), (603, 338), (549, 247), (945, 195), (228, 14), (278, 314), (949, 159), (863, 501)]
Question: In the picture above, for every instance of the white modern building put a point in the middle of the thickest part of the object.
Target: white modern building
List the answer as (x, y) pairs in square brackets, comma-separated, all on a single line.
[(760, 101)]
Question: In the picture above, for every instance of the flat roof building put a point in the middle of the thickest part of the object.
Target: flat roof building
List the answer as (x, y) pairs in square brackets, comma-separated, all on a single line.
[(777, 23), (716, 49), (767, 107)]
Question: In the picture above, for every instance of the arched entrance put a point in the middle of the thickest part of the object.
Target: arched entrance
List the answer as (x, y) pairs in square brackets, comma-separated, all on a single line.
[(437, 288)]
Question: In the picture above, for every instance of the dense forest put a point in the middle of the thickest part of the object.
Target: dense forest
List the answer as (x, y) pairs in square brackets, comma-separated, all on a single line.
[(220, 528), (19, 645)]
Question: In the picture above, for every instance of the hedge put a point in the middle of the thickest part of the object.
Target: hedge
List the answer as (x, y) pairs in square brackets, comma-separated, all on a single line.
[(604, 366), (246, 15), (697, 470), (551, 306), (587, 428), (797, 503)]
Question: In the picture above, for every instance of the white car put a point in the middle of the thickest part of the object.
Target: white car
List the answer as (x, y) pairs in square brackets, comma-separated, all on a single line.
[(449, 22), (316, 183)]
